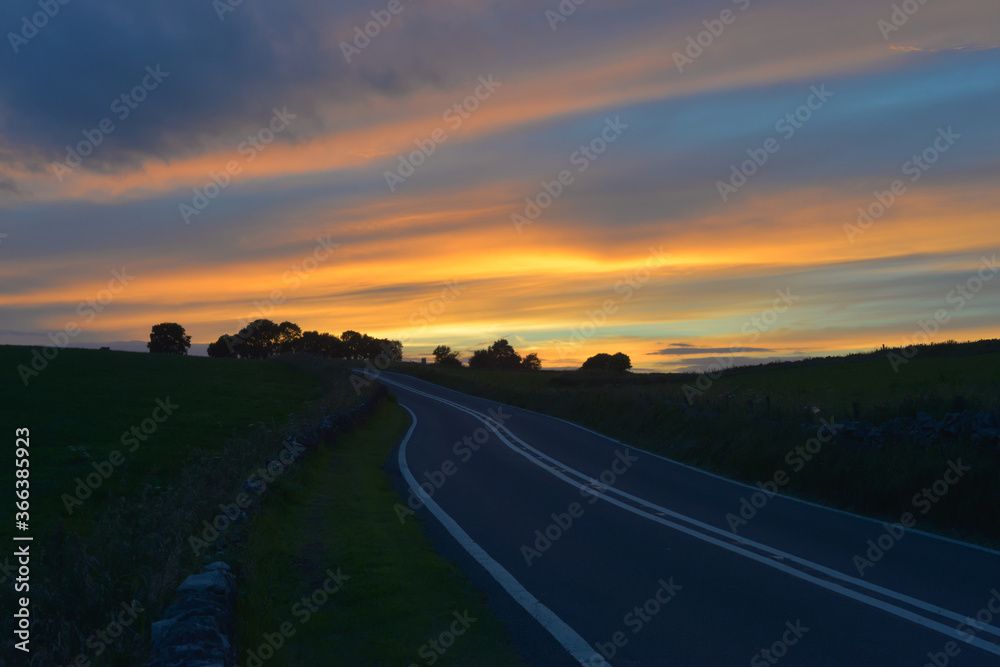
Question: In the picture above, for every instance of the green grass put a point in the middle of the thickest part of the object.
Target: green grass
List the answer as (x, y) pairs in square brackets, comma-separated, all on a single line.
[(78, 408), (924, 384), (128, 540), (400, 593), (745, 422)]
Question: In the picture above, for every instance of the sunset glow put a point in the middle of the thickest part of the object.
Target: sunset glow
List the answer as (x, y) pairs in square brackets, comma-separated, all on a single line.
[(383, 194)]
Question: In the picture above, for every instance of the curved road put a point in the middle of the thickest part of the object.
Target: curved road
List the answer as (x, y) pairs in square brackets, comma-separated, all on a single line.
[(596, 553)]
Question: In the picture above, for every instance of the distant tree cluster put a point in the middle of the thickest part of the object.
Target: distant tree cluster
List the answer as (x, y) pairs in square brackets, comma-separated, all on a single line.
[(501, 356), (258, 340), (617, 362), (263, 338)]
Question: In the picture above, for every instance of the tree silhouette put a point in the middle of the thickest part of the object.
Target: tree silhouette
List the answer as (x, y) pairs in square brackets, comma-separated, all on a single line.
[(258, 340), (263, 338), (168, 338), (531, 362), (617, 362), (288, 333), (225, 347), (320, 344), (393, 349), (443, 356), (353, 343), (498, 356)]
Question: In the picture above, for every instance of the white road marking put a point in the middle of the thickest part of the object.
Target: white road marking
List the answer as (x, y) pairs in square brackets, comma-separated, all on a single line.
[(915, 531), (574, 644), (769, 561)]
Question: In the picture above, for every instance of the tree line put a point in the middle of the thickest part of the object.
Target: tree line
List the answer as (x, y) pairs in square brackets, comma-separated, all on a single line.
[(263, 338), (499, 356), (502, 356)]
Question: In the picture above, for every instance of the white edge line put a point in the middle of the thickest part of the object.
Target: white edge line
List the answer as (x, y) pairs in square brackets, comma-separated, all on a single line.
[(745, 485), (574, 644), (837, 588)]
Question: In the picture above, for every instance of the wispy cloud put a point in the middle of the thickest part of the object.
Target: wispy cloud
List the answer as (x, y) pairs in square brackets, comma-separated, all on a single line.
[(655, 186), (690, 350)]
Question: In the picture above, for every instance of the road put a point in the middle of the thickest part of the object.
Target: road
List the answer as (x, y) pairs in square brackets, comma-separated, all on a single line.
[(596, 553)]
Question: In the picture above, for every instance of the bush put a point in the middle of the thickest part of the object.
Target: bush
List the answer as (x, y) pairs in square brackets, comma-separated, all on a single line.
[(498, 356), (619, 363)]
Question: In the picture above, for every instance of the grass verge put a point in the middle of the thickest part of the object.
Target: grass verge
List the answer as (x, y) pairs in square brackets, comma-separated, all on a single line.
[(334, 516)]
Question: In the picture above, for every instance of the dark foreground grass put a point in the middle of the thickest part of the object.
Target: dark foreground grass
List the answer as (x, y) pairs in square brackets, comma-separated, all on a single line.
[(334, 516), (129, 539), (81, 407), (747, 424)]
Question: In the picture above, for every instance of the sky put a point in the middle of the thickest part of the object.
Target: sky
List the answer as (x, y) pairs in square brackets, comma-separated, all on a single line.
[(689, 183)]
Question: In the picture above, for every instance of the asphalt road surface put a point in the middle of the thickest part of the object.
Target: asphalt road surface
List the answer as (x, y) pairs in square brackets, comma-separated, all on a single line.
[(596, 553)]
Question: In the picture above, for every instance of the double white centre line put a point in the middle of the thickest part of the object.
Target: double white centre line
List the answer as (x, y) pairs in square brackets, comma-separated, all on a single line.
[(806, 570)]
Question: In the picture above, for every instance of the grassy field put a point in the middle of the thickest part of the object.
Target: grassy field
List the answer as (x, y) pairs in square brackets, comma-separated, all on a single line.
[(131, 452), (392, 593), (126, 537), (744, 424), (203, 426), (80, 406)]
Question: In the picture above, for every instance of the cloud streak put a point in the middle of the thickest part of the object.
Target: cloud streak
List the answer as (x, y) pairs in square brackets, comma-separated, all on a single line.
[(689, 350), (656, 185)]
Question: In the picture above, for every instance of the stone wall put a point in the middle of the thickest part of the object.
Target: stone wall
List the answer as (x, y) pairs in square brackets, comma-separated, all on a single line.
[(199, 628)]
